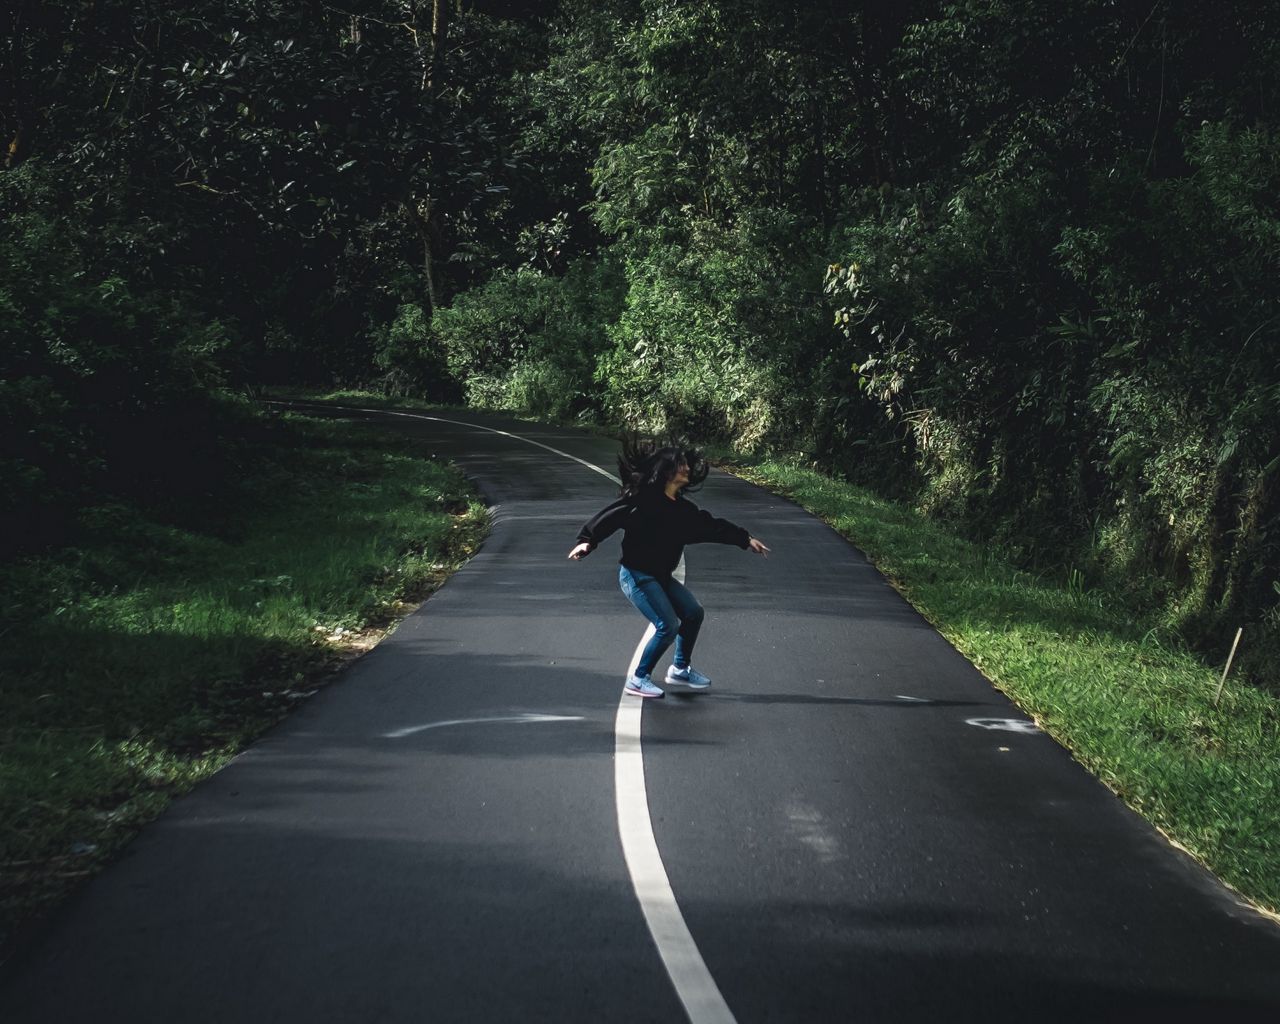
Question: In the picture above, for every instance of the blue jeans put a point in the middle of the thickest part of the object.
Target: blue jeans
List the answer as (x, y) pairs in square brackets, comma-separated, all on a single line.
[(673, 610)]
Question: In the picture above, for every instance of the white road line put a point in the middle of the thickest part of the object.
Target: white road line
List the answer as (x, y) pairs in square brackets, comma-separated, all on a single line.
[(492, 430), (396, 734), (694, 986), (693, 983)]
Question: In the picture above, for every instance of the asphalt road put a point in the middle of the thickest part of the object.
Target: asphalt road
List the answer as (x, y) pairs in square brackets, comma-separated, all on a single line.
[(855, 825)]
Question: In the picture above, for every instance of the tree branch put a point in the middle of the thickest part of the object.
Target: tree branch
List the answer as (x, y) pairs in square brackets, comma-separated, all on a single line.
[(367, 17)]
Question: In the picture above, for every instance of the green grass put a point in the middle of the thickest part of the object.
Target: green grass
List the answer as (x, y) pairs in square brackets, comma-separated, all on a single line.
[(1130, 705), (137, 662)]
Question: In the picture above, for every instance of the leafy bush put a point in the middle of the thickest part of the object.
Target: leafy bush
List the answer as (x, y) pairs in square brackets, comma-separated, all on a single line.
[(677, 365), (528, 341), (724, 335), (1091, 381), (1188, 384), (410, 355)]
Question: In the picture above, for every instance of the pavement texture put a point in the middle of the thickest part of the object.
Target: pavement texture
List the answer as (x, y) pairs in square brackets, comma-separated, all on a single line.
[(856, 825)]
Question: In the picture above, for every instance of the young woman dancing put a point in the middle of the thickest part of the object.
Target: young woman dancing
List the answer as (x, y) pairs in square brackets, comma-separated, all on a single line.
[(659, 521)]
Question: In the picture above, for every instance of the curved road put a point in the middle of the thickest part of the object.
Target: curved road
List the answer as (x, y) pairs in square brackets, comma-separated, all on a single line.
[(855, 826)]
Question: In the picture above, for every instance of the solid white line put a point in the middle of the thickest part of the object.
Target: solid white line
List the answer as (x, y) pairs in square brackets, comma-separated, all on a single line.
[(492, 430), (693, 983), (694, 986)]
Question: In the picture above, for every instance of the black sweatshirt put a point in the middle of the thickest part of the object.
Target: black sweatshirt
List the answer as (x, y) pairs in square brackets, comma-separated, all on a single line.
[(657, 529)]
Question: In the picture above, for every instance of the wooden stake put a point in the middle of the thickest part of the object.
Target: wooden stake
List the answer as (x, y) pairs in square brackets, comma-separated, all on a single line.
[(1230, 657)]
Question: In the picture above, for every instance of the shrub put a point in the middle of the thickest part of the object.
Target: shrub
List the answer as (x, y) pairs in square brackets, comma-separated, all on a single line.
[(724, 335), (528, 341), (1087, 367), (412, 359)]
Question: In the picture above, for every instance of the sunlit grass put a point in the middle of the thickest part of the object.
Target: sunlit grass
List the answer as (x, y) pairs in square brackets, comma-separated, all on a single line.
[(1132, 706), (139, 661)]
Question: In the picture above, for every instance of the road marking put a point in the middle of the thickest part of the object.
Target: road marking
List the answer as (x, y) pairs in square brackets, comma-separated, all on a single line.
[(492, 430), (694, 986), (806, 824), (693, 983), (697, 990), (1006, 725), (396, 734)]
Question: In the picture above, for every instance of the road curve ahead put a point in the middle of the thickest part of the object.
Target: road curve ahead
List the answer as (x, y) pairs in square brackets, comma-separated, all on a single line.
[(851, 826)]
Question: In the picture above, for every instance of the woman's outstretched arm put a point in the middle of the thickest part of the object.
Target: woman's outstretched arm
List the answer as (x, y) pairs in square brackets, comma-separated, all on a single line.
[(600, 526)]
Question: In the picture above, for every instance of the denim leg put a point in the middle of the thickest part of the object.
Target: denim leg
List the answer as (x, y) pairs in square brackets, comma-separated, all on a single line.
[(691, 614), (647, 595)]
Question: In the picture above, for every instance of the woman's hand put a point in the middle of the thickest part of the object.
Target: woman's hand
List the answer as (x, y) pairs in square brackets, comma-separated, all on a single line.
[(581, 551), (758, 547)]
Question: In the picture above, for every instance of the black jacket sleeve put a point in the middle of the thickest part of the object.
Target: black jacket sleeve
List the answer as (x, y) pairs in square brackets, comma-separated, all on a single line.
[(706, 528), (605, 522)]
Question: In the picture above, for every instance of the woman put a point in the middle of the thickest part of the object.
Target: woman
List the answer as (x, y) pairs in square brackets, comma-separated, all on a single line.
[(658, 522)]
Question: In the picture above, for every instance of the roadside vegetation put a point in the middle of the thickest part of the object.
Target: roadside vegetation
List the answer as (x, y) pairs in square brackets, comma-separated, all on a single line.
[(141, 657)]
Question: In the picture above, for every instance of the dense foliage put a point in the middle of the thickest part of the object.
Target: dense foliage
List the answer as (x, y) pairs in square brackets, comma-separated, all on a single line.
[(1011, 258), (203, 198)]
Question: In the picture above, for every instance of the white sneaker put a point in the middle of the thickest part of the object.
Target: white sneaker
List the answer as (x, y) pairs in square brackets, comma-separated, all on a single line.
[(642, 686), (689, 677)]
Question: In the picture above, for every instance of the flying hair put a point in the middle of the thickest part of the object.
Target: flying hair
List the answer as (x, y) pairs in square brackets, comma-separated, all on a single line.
[(645, 465)]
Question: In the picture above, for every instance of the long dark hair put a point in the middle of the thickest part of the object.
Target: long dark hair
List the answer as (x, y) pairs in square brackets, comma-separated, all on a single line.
[(646, 465)]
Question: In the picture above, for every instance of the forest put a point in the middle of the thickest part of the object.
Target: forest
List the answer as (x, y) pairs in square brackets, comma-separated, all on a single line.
[(1013, 262)]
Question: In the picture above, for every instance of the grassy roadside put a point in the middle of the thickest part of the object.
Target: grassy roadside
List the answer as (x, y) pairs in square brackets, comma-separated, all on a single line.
[(1136, 711), (138, 662)]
